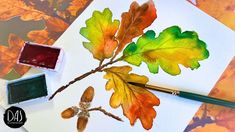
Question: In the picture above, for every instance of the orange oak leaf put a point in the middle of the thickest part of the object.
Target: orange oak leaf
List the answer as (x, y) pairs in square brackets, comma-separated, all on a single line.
[(40, 36), (134, 22), (54, 28), (9, 55), (77, 5), (56, 25), (136, 102), (13, 8)]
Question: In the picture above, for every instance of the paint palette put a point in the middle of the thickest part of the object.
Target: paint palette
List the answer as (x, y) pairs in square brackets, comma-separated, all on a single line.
[(42, 56), (26, 89)]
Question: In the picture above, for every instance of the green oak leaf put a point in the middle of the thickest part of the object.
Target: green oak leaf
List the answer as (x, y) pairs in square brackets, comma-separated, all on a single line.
[(171, 48)]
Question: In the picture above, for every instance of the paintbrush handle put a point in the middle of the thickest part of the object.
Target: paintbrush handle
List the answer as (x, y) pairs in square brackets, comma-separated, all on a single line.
[(188, 95), (206, 99)]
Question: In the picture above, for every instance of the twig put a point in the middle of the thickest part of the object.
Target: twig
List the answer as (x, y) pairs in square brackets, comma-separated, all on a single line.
[(106, 113), (98, 69)]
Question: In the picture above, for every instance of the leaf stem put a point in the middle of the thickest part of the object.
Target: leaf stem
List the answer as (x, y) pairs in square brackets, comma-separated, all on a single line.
[(97, 69), (113, 57), (105, 112), (101, 62)]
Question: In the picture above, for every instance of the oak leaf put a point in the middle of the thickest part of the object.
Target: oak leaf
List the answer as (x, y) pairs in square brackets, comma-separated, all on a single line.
[(56, 25), (134, 22), (9, 56), (76, 6), (41, 37), (136, 102), (54, 28), (171, 48), (100, 30), (14, 8)]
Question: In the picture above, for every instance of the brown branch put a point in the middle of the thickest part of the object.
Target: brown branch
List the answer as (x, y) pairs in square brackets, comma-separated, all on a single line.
[(105, 112), (98, 69)]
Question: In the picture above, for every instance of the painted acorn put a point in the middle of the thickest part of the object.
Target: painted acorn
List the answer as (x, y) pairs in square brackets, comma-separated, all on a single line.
[(81, 123), (87, 95), (83, 110), (69, 112)]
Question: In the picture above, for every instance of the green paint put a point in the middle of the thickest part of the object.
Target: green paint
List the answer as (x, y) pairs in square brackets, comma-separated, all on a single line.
[(26, 89)]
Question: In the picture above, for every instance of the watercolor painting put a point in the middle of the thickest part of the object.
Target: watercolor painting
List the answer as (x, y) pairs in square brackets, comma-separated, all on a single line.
[(40, 21), (107, 38), (222, 10), (217, 118)]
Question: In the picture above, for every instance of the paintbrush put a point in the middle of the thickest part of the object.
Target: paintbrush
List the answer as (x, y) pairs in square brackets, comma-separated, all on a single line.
[(188, 95)]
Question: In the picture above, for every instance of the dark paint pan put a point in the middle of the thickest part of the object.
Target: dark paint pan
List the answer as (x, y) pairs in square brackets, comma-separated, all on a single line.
[(26, 89), (42, 56)]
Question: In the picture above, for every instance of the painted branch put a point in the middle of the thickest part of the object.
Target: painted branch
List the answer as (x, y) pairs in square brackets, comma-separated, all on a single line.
[(106, 113), (98, 69)]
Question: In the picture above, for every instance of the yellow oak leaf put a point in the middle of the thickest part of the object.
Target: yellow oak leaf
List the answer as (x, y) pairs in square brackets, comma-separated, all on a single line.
[(100, 30), (136, 102)]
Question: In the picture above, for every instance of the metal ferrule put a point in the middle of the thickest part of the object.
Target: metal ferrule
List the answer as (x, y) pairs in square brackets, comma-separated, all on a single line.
[(165, 90)]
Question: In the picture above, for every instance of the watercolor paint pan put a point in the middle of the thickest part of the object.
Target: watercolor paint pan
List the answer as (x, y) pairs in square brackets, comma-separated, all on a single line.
[(41, 56), (26, 89)]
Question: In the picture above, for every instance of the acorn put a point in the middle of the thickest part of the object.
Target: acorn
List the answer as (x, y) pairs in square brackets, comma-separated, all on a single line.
[(69, 112), (81, 123), (87, 95)]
